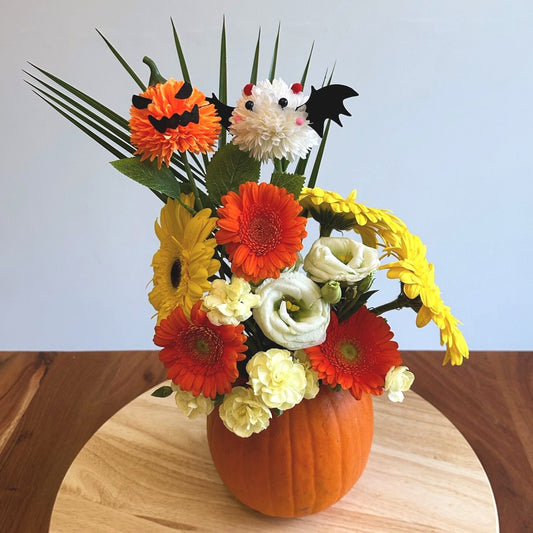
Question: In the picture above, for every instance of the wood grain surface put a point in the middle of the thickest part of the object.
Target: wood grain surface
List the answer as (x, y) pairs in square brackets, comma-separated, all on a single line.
[(148, 469), (52, 403)]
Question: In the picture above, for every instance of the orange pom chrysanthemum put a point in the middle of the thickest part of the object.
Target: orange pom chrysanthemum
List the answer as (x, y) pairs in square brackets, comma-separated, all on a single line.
[(200, 357), (357, 353), (172, 116), (262, 230)]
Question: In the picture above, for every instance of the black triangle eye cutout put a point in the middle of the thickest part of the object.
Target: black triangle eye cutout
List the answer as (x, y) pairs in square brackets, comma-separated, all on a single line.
[(184, 92), (140, 102)]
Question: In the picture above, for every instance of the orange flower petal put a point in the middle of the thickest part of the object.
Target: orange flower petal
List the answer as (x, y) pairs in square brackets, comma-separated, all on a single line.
[(261, 230)]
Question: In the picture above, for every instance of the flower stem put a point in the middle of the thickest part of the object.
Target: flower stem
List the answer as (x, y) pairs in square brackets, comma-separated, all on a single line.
[(192, 182), (400, 302), (325, 231), (278, 165)]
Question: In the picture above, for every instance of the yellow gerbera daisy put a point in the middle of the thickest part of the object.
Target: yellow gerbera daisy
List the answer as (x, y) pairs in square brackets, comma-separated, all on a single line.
[(184, 261)]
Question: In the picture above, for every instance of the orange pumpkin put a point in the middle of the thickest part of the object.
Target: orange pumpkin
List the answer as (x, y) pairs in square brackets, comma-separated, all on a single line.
[(305, 461)]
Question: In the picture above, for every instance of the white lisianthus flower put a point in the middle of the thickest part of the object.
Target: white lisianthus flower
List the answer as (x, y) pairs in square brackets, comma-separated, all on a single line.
[(192, 406), (340, 259), (270, 122), (229, 303), (292, 312), (277, 379), (312, 386), (243, 413), (397, 381)]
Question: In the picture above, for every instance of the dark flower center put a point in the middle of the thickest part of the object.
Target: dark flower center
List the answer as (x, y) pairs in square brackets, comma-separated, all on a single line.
[(175, 273), (261, 229), (202, 343)]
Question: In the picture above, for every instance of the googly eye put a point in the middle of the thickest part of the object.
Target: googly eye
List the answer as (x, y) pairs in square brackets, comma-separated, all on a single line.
[(282, 102), (249, 105)]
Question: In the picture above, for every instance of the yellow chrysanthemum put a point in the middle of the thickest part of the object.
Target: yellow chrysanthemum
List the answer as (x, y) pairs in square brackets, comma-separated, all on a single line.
[(184, 261), (418, 280), (333, 211)]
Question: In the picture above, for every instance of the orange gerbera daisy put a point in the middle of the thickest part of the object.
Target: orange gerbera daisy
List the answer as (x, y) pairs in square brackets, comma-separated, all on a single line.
[(172, 116), (261, 229), (200, 357), (357, 353)]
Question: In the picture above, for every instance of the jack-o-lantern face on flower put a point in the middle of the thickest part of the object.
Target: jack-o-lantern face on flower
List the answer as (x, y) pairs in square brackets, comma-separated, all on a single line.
[(172, 116)]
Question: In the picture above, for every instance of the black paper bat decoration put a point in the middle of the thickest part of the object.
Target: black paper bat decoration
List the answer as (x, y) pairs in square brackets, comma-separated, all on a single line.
[(327, 103), (323, 104)]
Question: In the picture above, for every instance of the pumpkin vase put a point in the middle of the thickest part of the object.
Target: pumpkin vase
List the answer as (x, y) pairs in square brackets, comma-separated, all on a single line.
[(306, 460)]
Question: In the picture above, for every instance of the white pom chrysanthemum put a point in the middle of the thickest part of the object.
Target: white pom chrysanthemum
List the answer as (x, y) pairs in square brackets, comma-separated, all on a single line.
[(271, 123)]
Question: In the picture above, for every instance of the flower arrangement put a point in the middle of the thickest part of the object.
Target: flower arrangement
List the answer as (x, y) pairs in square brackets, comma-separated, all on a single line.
[(246, 319)]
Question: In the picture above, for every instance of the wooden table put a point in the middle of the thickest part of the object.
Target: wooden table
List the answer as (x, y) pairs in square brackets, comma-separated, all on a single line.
[(149, 469), (52, 403)]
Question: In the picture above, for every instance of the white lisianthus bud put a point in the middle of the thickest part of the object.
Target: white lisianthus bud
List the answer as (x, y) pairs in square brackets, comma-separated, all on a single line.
[(229, 303), (243, 413), (331, 292), (397, 381), (277, 379), (312, 387), (292, 312), (192, 406), (340, 259)]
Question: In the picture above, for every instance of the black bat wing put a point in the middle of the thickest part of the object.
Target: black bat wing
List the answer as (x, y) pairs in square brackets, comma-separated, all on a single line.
[(223, 111), (327, 103)]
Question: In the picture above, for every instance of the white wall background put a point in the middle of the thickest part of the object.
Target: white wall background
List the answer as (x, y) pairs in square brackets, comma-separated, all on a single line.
[(441, 134)]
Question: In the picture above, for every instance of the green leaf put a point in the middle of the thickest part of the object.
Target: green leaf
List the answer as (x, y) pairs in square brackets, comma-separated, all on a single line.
[(318, 158), (181, 55), (272, 74), (122, 61), (115, 117), (147, 173), (255, 65), (223, 78), (302, 164), (162, 392), (229, 168), (95, 121), (292, 182), (306, 69)]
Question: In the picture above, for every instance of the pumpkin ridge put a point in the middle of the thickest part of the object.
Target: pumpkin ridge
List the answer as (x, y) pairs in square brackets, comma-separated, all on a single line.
[(267, 479), (278, 477), (333, 416), (247, 462), (290, 467), (309, 431)]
